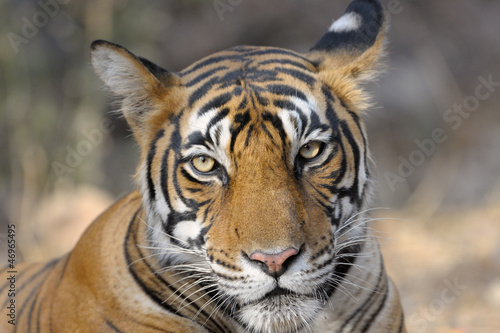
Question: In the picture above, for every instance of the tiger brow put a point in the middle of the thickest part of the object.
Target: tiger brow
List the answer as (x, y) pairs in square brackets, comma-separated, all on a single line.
[(195, 139), (198, 138)]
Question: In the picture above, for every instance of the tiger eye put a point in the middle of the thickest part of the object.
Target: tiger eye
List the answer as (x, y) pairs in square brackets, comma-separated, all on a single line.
[(310, 150), (203, 163)]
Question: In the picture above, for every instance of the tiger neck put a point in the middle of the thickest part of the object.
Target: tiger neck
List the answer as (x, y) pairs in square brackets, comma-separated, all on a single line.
[(361, 289), (177, 290)]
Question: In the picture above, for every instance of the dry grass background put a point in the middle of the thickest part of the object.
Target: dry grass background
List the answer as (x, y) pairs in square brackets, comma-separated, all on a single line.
[(442, 228)]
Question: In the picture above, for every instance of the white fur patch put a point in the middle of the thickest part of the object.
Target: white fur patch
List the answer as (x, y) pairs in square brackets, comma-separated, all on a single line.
[(187, 229), (200, 123), (289, 116), (347, 22), (281, 314)]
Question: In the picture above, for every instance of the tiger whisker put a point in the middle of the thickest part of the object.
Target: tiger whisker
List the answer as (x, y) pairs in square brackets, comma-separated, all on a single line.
[(195, 300), (191, 285)]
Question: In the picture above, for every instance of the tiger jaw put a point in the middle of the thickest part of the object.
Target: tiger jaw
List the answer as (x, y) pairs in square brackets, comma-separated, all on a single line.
[(280, 314)]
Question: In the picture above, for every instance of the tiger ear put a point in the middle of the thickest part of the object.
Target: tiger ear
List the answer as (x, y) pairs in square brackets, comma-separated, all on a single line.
[(350, 52), (144, 88)]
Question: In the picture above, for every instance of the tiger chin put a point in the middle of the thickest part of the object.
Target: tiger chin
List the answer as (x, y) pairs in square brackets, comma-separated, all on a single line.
[(251, 208)]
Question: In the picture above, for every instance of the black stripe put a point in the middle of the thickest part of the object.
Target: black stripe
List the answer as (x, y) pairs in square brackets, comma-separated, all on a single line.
[(375, 314), (353, 191), (249, 135), (172, 220), (343, 165), (244, 53), (195, 138), (277, 124), (306, 78), (261, 100), (343, 265), (334, 124), (243, 103), (357, 120), (276, 51), (38, 317), (264, 128), (218, 133), (193, 190), (208, 61), (330, 111), (321, 194), (205, 75), (216, 103), (178, 189), (232, 77), (164, 178), (113, 327), (284, 90), (201, 91), (333, 152), (175, 147), (22, 307), (288, 105), (192, 179), (151, 155), (32, 308), (368, 302), (242, 119), (19, 275), (286, 62), (215, 121), (315, 124), (26, 283)]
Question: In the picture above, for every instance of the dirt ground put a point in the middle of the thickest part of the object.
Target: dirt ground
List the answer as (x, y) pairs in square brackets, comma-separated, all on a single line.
[(446, 267)]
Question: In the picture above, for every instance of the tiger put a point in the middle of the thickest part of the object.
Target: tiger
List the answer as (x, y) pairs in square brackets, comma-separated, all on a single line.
[(251, 212)]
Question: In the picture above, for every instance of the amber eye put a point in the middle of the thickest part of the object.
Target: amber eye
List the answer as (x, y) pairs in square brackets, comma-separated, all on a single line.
[(203, 164), (310, 150)]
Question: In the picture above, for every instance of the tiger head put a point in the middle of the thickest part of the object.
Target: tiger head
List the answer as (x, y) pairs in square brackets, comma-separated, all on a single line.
[(254, 163)]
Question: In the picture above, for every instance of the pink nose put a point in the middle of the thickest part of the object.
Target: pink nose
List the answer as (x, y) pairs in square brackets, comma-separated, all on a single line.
[(274, 261)]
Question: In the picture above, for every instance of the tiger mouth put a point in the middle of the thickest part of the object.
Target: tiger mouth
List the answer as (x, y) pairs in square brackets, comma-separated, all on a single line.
[(277, 294), (278, 291)]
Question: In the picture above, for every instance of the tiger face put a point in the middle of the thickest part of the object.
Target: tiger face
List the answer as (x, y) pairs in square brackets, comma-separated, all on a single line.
[(265, 173), (254, 165)]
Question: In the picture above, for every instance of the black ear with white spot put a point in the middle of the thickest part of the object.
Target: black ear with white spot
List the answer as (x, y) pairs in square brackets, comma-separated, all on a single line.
[(354, 41), (356, 30)]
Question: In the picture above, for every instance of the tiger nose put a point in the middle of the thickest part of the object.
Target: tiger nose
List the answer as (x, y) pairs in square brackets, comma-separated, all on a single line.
[(275, 264)]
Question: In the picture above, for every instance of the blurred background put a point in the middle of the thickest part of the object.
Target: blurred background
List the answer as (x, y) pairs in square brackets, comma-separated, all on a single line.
[(435, 132)]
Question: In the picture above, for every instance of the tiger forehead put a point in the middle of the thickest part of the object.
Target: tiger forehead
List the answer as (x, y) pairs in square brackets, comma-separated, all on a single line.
[(245, 97), (247, 64)]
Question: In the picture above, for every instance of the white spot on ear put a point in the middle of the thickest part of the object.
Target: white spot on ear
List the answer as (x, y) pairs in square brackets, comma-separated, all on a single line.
[(187, 229), (347, 22)]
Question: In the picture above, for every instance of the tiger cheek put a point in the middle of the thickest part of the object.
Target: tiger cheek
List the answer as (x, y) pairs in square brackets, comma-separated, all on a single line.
[(223, 239)]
